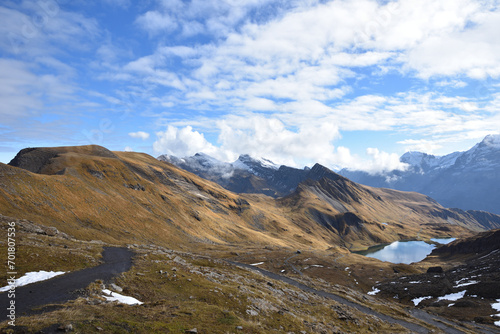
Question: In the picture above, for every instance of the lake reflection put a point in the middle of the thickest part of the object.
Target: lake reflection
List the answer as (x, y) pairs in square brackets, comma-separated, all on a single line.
[(402, 252)]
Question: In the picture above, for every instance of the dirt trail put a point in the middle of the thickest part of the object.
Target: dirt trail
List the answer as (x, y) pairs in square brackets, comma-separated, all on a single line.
[(62, 288), (444, 325)]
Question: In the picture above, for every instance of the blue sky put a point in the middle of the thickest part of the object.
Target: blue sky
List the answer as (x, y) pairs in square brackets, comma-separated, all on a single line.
[(344, 83)]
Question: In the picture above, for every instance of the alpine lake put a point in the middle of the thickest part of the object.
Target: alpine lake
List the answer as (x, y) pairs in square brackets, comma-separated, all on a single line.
[(404, 251)]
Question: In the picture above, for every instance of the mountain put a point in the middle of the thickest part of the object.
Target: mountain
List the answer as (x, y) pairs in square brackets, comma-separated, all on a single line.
[(91, 193), (250, 175), (467, 180)]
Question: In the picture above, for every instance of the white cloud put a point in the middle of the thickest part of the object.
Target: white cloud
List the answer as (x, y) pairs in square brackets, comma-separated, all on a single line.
[(420, 145), (155, 22), (128, 149), (382, 162), (270, 138), (139, 135), (182, 142), (25, 93)]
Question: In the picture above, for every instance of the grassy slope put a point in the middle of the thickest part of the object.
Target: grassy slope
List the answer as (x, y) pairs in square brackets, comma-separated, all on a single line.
[(121, 198)]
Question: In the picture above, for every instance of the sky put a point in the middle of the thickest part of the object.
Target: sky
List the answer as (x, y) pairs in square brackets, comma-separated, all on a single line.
[(349, 84)]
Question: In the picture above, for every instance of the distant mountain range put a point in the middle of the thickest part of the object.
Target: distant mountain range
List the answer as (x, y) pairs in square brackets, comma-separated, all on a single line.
[(249, 175), (466, 180)]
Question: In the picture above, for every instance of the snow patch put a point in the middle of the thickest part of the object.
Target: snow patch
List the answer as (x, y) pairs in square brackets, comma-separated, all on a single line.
[(496, 307), (257, 264), (465, 284), (453, 296), (114, 296), (33, 277), (373, 292), (417, 301)]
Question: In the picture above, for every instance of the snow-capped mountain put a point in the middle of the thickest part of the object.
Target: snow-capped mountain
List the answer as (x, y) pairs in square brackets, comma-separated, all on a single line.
[(465, 180), (201, 164), (423, 162), (250, 175)]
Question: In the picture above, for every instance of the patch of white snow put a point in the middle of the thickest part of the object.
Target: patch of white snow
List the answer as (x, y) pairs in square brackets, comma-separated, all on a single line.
[(453, 296), (113, 296), (417, 301), (465, 284), (257, 264), (33, 277), (373, 292)]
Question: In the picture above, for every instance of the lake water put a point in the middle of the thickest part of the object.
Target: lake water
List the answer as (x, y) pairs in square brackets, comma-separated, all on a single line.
[(403, 251)]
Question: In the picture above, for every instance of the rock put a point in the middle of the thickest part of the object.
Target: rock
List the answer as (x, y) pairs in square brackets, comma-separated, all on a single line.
[(51, 231), (239, 328), (299, 252), (67, 328), (115, 287), (435, 270), (252, 312), (179, 260), (140, 274), (191, 331)]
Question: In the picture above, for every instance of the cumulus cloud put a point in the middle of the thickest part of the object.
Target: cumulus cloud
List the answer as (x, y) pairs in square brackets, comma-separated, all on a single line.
[(269, 138), (383, 161), (182, 142), (139, 135)]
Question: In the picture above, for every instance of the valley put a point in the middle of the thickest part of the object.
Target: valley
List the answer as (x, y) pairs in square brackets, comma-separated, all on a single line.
[(200, 250)]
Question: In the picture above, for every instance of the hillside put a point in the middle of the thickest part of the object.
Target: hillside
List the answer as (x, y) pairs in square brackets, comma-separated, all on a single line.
[(462, 284), (90, 193)]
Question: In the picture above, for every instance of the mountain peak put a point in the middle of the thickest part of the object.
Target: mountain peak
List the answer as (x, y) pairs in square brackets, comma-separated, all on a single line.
[(245, 161), (491, 141), (36, 159)]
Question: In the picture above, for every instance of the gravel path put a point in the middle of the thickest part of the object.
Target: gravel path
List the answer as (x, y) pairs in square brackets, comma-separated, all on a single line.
[(62, 288)]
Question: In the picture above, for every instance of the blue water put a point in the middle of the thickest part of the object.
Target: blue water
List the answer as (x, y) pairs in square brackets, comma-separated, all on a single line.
[(403, 252)]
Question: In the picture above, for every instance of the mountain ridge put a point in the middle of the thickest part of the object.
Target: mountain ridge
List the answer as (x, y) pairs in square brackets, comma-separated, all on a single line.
[(463, 180), (466, 180), (91, 192)]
